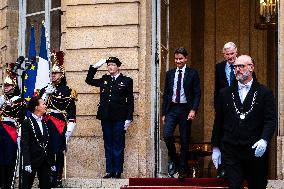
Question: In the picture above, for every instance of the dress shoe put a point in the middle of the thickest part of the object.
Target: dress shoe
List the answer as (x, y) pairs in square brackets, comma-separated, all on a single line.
[(59, 184), (117, 175), (108, 175), (171, 168)]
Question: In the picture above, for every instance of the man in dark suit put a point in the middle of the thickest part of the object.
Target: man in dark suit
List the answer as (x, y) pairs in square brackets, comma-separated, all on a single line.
[(244, 124), (224, 71), (37, 155), (180, 103), (115, 111)]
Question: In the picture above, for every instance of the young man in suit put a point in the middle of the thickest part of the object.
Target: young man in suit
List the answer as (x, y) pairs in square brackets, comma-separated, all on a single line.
[(180, 103), (244, 123), (115, 111), (37, 154)]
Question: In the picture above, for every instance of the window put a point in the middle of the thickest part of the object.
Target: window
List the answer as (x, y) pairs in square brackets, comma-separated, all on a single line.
[(33, 13)]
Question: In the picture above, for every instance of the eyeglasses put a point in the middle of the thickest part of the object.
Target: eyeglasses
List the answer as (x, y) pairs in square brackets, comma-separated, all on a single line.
[(241, 66)]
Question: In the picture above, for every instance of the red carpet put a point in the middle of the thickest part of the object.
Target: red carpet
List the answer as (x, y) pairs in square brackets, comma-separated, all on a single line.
[(171, 183)]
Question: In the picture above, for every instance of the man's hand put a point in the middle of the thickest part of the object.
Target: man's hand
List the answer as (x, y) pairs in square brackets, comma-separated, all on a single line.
[(49, 89), (28, 168), (191, 115), (127, 124), (260, 147), (216, 157), (99, 63), (53, 168)]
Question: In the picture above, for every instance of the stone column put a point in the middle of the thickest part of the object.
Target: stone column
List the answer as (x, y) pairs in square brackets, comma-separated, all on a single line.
[(280, 134)]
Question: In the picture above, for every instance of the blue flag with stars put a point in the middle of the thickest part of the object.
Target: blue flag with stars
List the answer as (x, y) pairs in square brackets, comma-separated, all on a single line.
[(31, 73)]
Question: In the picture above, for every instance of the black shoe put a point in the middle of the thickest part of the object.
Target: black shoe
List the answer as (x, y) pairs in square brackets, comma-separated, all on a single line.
[(182, 174), (108, 175), (59, 184), (117, 175), (171, 168)]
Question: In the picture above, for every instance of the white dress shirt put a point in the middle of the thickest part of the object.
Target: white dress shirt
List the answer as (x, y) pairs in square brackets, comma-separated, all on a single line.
[(182, 94), (244, 89), (38, 120)]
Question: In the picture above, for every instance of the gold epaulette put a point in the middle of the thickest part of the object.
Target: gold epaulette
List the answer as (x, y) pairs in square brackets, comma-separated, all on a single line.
[(74, 94)]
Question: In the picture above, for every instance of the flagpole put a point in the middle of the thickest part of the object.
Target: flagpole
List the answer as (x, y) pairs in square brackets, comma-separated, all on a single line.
[(47, 47)]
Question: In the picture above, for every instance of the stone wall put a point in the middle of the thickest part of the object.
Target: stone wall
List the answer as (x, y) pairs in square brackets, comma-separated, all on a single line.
[(8, 32), (92, 30)]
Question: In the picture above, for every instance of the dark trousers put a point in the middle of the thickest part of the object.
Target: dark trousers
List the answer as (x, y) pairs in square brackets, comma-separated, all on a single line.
[(241, 164), (6, 175), (114, 143), (59, 163), (178, 115), (43, 173)]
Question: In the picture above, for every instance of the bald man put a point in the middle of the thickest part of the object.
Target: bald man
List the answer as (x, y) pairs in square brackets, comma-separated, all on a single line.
[(244, 123)]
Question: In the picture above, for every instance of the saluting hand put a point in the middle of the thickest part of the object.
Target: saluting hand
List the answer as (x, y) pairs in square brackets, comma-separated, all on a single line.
[(99, 63)]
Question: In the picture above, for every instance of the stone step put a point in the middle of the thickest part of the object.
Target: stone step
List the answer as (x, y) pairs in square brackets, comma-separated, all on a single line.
[(89, 183)]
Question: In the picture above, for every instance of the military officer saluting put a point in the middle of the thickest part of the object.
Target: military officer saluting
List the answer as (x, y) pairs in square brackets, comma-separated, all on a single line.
[(115, 111), (61, 113)]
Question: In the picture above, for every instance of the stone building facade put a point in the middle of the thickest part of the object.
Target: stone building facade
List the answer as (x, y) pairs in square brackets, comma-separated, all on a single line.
[(144, 34)]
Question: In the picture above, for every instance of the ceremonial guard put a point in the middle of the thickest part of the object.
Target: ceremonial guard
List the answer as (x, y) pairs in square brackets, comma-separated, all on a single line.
[(61, 113), (115, 111), (12, 113)]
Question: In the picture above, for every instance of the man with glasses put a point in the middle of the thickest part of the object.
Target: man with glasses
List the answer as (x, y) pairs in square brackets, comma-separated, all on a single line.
[(244, 123)]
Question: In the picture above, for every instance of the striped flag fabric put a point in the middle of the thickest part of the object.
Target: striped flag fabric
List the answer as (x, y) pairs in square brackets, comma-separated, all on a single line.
[(43, 70)]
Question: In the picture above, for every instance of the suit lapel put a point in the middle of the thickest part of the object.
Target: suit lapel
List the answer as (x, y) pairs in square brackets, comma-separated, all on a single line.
[(223, 73), (37, 131), (172, 78), (236, 98), (186, 73)]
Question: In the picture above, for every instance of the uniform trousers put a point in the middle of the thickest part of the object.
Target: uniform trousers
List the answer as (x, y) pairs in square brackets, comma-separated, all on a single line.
[(114, 144)]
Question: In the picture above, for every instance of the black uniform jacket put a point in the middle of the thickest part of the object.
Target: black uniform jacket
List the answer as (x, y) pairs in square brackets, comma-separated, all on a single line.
[(116, 98), (191, 85), (35, 146), (259, 122)]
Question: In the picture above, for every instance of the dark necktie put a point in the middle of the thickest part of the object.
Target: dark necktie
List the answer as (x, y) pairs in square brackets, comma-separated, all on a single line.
[(178, 86), (232, 75), (112, 78)]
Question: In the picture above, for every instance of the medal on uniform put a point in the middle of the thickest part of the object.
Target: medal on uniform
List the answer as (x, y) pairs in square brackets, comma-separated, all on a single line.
[(242, 116), (105, 82)]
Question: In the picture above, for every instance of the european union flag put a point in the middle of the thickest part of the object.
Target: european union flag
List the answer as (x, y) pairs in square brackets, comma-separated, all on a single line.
[(31, 73)]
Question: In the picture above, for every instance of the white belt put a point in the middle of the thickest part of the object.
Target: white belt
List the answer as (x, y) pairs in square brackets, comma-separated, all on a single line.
[(9, 119)]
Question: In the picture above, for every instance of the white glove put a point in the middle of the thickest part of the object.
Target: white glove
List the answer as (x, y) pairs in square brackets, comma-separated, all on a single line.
[(260, 147), (68, 135), (99, 63), (28, 168), (49, 89), (2, 100), (127, 124), (216, 157), (53, 168)]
